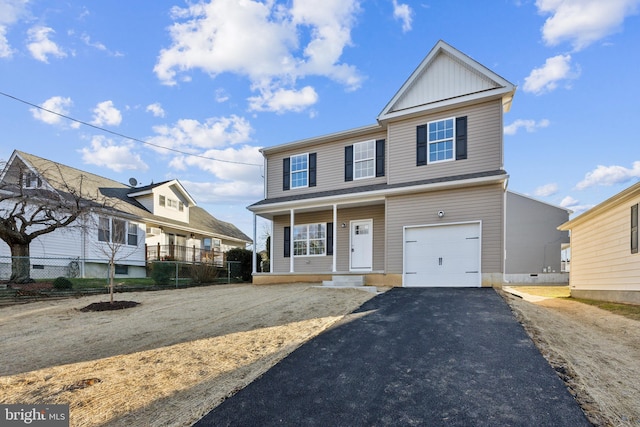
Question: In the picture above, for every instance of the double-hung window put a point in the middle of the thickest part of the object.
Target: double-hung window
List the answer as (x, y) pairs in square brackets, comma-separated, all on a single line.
[(364, 154), (119, 231), (309, 239), (104, 227), (113, 230), (132, 235), (299, 170), (441, 135)]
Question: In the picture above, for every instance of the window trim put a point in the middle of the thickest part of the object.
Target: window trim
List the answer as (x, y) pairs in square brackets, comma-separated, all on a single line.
[(308, 240), (371, 159), (106, 235), (452, 139), (292, 185)]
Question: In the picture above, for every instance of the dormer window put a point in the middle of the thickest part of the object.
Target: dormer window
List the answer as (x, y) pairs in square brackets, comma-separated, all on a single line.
[(32, 180), (171, 203)]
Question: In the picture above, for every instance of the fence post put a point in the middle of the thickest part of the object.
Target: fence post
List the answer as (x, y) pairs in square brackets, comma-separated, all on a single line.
[(176, 274), (158, 253)]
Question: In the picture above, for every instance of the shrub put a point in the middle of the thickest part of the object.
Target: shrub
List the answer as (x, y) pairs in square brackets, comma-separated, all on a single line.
[(204, 273), (62, 283), (244, 256), (161, 272)]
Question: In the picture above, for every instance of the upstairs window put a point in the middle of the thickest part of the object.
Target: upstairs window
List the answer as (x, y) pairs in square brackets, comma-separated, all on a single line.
[(441, 137), (32, 180), (442, 141), (364, 154), (162, 201), (299, 171)]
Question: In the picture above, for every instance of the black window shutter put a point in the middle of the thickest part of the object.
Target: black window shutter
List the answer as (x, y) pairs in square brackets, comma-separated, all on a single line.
[(287, 242), (461, 138), (329, 238), (312, 169), (634, 229), (286, 175), (348, 163), (421, 146), (380, 157)]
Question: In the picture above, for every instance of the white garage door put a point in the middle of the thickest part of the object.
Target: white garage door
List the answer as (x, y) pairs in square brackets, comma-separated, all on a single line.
[(446, 255)]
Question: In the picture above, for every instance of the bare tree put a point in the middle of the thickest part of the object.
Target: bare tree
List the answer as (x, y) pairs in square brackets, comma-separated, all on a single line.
[(32, 205), (117, 241)]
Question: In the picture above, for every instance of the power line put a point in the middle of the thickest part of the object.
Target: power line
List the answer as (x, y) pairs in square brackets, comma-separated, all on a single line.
[(124, 136)]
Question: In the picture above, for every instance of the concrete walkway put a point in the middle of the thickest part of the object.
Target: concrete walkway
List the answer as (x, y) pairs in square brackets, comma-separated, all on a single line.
[(420, 356)]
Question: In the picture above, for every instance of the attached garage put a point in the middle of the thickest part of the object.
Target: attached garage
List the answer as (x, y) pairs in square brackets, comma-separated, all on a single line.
[(442, 255)]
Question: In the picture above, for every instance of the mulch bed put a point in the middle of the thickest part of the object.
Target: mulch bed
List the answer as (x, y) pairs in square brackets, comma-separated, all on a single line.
[(106, 306)]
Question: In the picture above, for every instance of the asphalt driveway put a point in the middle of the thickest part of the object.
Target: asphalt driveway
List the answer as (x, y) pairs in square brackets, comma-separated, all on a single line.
[(420, 356)]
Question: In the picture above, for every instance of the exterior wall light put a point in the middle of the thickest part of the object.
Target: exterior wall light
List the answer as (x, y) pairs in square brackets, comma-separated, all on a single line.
[(440, 214)]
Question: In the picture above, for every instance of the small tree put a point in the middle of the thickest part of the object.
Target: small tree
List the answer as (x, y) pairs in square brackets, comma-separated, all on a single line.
[(31, 206)]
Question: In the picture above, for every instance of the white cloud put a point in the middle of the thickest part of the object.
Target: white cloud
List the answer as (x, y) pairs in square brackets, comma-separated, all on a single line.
[(221, 95), (10, 12), (547, 77), (283, 100), (103, 152), (106, 114), (156, 109), (528, 125), (262, 41), (568, 202), (56, 104), (546, 190), (609, 175), (5, 49), (403, 13), (191, 135), (582, 22), (40, 46)]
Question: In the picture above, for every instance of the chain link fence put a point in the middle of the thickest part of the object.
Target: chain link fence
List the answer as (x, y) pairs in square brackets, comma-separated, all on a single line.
[(159, 272)]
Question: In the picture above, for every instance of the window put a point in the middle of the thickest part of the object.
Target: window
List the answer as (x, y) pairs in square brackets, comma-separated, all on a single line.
[(364, 154), (117, 231), (634, 229), (121, 269), (441, 137), (309, 239), (441, 141), (103, 230), (181, 206), (132, 235), (119, 228), (299, 169), (161, 201), (31, 180)]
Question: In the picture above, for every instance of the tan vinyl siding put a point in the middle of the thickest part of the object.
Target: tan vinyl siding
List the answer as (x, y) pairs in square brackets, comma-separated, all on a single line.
[(329, 168), (324, 264), (470, 204), (601, 257), (484, 145)]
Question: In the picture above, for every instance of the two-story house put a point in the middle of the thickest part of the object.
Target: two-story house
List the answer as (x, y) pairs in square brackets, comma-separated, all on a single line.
[(416, 199), (155, 222)]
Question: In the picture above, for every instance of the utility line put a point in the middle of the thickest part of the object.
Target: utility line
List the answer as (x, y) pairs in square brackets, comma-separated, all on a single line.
[(124, 136)]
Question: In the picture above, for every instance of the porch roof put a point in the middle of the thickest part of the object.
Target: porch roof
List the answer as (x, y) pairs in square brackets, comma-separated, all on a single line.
[(371, 193)]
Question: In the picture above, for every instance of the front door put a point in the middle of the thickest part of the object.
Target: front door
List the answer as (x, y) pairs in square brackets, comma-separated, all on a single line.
[(361, 258)]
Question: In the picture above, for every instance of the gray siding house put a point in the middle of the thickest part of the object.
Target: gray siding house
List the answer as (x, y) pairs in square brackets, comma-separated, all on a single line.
[(417, 199)]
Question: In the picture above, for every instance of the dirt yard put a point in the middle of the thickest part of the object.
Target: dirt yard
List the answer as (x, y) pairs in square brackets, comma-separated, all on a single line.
[(179, 353)]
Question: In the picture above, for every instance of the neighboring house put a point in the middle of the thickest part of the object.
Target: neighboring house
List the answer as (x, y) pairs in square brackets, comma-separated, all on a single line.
[(605, 262), (417, 199), (155, 222)]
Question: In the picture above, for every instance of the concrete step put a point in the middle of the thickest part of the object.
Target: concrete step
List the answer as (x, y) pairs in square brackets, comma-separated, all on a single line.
[(345, 281)]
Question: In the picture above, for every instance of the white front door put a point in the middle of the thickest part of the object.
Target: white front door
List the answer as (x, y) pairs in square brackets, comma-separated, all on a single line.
[(361, 258)]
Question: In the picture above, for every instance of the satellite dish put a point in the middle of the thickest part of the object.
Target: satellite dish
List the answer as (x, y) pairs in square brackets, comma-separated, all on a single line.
[(133, 182)]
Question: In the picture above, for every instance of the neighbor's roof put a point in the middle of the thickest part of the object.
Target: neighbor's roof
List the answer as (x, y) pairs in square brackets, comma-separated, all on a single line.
[(119, 195), (611, 202)]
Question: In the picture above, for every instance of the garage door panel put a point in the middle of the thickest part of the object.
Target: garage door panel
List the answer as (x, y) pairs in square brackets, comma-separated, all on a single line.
[(446, 255)]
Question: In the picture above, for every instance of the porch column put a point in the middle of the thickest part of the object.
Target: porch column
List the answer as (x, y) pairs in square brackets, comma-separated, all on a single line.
[(335, 238), (253, 261), (292, 221)]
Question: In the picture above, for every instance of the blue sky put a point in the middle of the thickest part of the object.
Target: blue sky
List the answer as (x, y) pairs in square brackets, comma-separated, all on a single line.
[(222, 78)]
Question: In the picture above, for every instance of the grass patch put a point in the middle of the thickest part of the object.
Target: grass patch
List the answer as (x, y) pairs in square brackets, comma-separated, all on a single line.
[(101, 283), (627, 310)]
